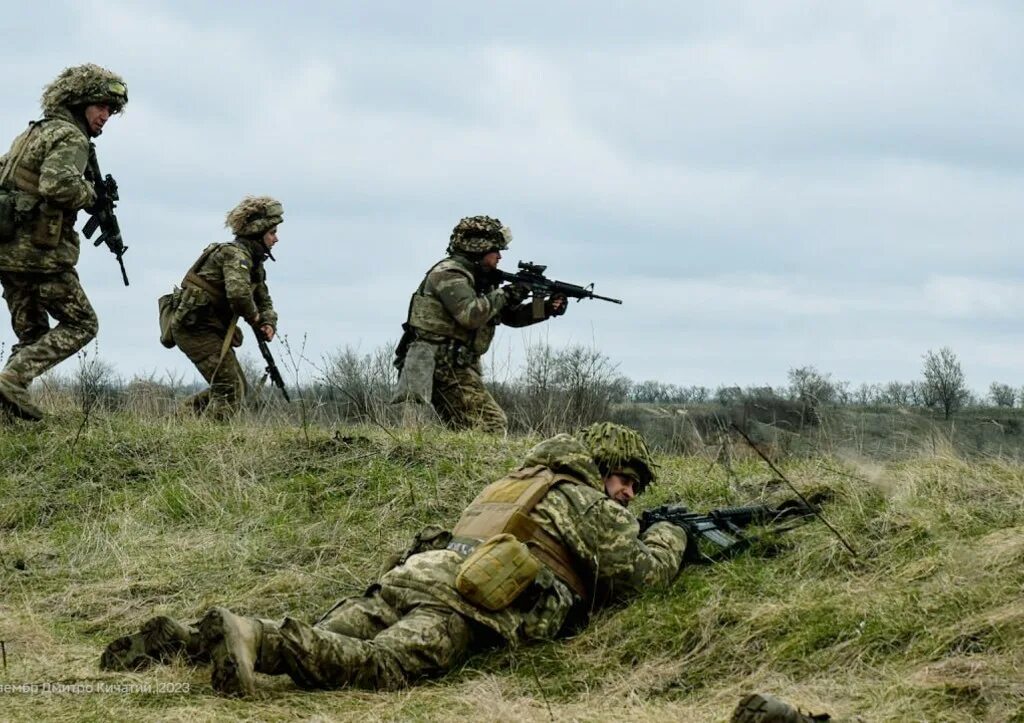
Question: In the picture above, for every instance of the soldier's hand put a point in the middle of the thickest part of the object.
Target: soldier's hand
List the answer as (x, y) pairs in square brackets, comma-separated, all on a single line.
[(268, 332), (515, 294), (557, 305)]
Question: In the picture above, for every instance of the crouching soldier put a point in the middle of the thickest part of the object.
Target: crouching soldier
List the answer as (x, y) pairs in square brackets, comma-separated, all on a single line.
[(226, 283), (529, 559)]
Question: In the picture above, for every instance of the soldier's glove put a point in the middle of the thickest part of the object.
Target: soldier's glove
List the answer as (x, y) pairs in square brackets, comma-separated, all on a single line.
[(515, 294), (556, 305)]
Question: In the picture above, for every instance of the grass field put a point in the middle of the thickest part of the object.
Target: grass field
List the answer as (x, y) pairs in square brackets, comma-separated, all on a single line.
[(104, 526)]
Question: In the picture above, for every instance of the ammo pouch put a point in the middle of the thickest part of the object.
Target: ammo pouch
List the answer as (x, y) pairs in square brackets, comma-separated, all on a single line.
[(503, 509), (46, 233), (497, 572), (166, 305), (8, 225)]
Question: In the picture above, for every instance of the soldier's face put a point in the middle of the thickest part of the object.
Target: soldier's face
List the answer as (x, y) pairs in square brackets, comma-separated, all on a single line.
[(490, 260), (96, 116), (270, 238), (620, 488)]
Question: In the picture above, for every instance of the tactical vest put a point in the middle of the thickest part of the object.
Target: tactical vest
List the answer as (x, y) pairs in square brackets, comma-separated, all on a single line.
[(193, 279), (217, 294), (14, 175), (504, 507), (427, 313)]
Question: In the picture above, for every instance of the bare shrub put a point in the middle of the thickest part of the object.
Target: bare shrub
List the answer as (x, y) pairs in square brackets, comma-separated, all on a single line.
[(1002, 395), (562, 390), (358, 386)]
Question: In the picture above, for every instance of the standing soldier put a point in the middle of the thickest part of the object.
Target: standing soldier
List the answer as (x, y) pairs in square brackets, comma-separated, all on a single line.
[(42, 188), (451, 322), (227, 283)]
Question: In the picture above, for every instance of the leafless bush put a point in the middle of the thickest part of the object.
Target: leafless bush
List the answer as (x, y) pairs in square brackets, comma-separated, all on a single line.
[(561, 390), (358, 386)]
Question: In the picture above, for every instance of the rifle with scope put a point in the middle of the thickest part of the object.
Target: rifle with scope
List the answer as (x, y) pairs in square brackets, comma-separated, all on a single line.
[(723, 530), (531, 276)]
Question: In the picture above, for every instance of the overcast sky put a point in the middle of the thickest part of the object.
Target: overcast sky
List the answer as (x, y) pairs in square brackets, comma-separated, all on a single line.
[(766, 185)]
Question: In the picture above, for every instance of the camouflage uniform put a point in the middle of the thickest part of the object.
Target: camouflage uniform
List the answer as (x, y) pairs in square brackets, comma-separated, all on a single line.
[(414, 623), (227, 282), (456, 309), (44, 172)]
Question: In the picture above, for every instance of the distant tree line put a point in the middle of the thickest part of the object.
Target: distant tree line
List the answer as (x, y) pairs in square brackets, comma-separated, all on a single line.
[(942, 387)]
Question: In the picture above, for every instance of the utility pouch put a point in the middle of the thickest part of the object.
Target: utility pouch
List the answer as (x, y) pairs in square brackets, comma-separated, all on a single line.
[(462, 356), (8, 226), (416, 381), (46, 233), (166, 304), (496, 573)]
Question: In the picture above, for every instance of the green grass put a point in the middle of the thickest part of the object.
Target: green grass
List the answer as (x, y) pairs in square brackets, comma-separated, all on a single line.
[(148, 516)]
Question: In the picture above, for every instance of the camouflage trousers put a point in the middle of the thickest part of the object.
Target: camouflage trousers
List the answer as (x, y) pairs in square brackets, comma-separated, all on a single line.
[(463, 402), (33, 298), (384, 640), (202, 344)]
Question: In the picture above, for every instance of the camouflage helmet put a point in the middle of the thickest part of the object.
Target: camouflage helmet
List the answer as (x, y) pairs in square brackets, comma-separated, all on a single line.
[(619, 450), (254, 216), (82, 85), (479, 235)]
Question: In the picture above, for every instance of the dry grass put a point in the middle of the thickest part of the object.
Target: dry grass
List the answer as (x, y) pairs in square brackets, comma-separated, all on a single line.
[(151, 515)]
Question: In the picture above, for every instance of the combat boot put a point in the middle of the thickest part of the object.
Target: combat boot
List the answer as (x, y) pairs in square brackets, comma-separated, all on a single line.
[(14, 397), (763, 708), (159, 641), (234, 644)]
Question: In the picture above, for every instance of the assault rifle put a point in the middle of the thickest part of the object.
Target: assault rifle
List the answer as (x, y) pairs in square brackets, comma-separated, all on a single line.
[(723, 531), (271, 371), (532, 276), (101, 215)]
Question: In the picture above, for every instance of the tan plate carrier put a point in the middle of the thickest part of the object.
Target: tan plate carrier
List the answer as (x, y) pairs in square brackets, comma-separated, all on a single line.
[(504, 507)]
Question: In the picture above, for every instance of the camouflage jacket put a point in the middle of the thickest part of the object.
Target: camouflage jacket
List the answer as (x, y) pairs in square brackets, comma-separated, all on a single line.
[(603, 537), (456, 302), (48, 179), (236, 271)]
